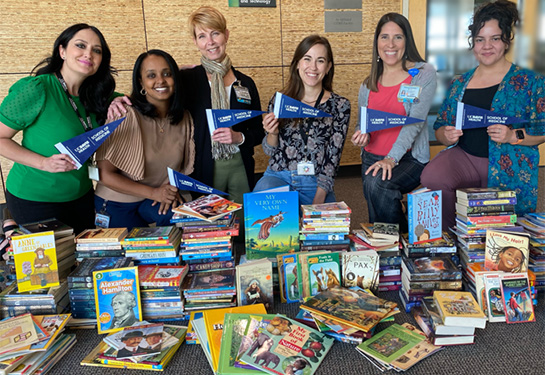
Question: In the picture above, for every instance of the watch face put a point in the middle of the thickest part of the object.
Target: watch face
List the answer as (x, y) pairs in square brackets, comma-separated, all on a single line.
[(520, 134)]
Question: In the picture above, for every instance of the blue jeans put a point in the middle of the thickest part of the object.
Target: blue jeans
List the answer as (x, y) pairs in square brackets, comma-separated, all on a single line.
[(305, 185), (384, 197), (131, 215)]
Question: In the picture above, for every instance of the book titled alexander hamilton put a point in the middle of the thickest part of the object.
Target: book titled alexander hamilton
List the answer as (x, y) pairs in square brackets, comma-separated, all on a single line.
[(424, 206)]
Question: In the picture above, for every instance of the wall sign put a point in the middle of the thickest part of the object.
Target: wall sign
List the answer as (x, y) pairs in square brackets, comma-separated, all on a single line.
[(252, 3), (339, 22)]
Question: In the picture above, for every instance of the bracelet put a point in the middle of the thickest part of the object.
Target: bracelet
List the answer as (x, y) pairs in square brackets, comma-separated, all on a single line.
[(391, 158), (243, 139)]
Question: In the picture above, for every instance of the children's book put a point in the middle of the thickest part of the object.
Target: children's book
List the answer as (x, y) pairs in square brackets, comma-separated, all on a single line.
[(421, 351), (271, 219), (161, 276), (208, 207), (325, 209), (58, 227), (361, 269), (17, 332), (430, 308), (459, 309), (101, 235), (281, 279), (386, 231), (517, 300), (117, 298), (494, 301), (430, 268), (424, 215), (284, 346), (35, 258), (506, 251), (211, 281), (255, 283), (324, 272), (151, 234), (303, 277), (292, 290), (484, 193)]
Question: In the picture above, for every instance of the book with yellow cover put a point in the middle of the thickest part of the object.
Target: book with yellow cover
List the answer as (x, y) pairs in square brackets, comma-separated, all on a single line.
[(459, 309), (213, 320), (17, 332), (35, 258)]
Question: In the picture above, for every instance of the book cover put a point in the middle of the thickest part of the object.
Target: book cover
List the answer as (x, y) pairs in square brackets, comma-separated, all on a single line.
[(208, 207), (101, 235), (424, 215), (506, 252), (324, 272), (17, 332), (271, 220), (303, 272), (84, 271), (350, 306), (58, 227), (431, 268), (117, 298), (255, 283), (290, 283), (161, 276), (432, 311), (211, 281), (459, 308), (35, 259), (361, 269), (386, 231), (293, 349), (517, 300), (494, 297), (325, 209)]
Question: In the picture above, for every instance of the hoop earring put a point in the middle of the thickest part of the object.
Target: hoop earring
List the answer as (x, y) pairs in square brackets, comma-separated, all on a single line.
[(143, 92)]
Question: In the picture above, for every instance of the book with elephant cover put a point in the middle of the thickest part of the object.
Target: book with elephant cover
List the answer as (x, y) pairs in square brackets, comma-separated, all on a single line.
[(271, 222), (284, 346)]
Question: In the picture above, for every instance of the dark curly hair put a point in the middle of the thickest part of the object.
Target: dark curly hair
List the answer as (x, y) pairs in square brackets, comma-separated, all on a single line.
[(503, 11)]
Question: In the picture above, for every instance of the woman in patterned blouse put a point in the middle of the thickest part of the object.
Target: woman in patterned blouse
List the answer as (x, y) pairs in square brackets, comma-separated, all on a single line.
[(305, 153), (498, 156)]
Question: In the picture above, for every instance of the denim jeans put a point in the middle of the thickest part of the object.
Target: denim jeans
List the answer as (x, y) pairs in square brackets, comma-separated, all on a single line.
[(131, 215), (305, 185), (384, 197)]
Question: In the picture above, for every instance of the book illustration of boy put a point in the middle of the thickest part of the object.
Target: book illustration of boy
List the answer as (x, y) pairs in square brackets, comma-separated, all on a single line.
[(123, 304), (268, 223), (514, 309), (296, 366), (496, 302), (152, 342), (42, 265)]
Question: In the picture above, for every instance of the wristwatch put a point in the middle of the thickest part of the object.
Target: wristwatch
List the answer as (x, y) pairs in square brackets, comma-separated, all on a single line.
[(520, 136)]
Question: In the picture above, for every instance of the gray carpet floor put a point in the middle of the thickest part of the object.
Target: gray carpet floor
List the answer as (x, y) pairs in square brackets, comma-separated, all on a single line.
[(501, 348)]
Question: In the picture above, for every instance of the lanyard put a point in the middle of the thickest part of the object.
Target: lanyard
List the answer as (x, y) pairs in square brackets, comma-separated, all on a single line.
[(86, 125), (303, 132)]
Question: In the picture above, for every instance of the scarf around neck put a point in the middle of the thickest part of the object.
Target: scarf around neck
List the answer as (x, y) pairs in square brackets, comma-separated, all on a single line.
[(219, 98)]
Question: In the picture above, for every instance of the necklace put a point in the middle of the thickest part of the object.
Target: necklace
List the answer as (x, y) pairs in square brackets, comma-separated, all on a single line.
[(161, 127)]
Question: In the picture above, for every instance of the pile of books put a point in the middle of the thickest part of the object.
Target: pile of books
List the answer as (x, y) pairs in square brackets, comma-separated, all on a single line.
[(397, 347), (325, 226), (51, 300), (160, 292), (534, 224), (210, 290), (384, 239), (422, 276), (144, 347), (44, 343), (80, 284), (100, 243), (153, 245)]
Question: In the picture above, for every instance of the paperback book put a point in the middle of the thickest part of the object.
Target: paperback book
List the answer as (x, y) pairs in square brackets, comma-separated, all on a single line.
[(424, 215), (459, 308), (517, 300), (361, 269), (506, 251), (208, 207), (255, 283)]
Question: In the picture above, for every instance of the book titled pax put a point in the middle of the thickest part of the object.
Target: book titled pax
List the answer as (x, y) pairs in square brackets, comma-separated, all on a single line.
[(35, 259), (424, 215), (459, 308), (360, 268), (117, 298)]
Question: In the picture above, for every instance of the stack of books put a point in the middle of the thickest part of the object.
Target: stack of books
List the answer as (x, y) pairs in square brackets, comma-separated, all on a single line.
[(142, 347), (398, 347), (210, 290), (325, 226), (80, 284), (153, 245), (459, 309), (445, 245), (52, 300), (429, 319), (534, 224), (422, 276), (160, 292), (44, 343), (100, 243)]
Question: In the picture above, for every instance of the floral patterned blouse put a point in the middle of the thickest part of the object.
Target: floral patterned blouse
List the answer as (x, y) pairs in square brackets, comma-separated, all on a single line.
[(326, 136), (514, 167)]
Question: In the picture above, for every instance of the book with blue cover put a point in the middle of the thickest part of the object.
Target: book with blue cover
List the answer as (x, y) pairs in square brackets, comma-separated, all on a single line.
[(424, 215), (271, 219)]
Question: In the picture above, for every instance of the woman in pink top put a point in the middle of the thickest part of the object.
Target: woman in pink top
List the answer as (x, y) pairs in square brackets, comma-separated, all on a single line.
[(393, 159)]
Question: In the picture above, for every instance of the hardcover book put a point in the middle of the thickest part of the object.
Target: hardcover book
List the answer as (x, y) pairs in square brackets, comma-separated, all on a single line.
[(459, 309), (208, 207), (281, 345), (271, 220), (430, 308), (117, 298), (424, 215), (506, 251), (386, 231), (517, 300), (255, 283), (431, 268), (35, 259), (484, 193), (84, 271), (58, 227), (361, 269)]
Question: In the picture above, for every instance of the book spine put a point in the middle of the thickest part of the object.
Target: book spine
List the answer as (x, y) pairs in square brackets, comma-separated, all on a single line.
[(173, 261), (325, 247), (486, 194), (221, 233), (80, 279), (411, 218), (504, 209), (100, 254), (197, 267), (490, 202), (205, 255), (323, 236), (151, 255)]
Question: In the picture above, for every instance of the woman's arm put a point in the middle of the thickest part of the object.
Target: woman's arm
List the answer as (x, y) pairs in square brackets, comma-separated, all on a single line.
[(17, 153)]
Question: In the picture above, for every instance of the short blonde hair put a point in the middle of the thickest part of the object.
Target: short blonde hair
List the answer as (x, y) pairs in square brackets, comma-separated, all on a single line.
[(207, 17)]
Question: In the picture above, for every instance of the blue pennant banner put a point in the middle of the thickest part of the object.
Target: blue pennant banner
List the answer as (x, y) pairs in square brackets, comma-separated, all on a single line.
[(470, 117), (286, 107), (225, 118), (81, 147), (372, 120), (183, 182)]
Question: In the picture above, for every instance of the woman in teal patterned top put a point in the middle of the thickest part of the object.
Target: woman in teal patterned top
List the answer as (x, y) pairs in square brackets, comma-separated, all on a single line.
[(498, 156)]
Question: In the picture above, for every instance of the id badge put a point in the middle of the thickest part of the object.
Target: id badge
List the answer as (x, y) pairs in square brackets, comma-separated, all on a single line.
[(305, 168), (93, 172), (408, 93), (102, 220), (242, 93)]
